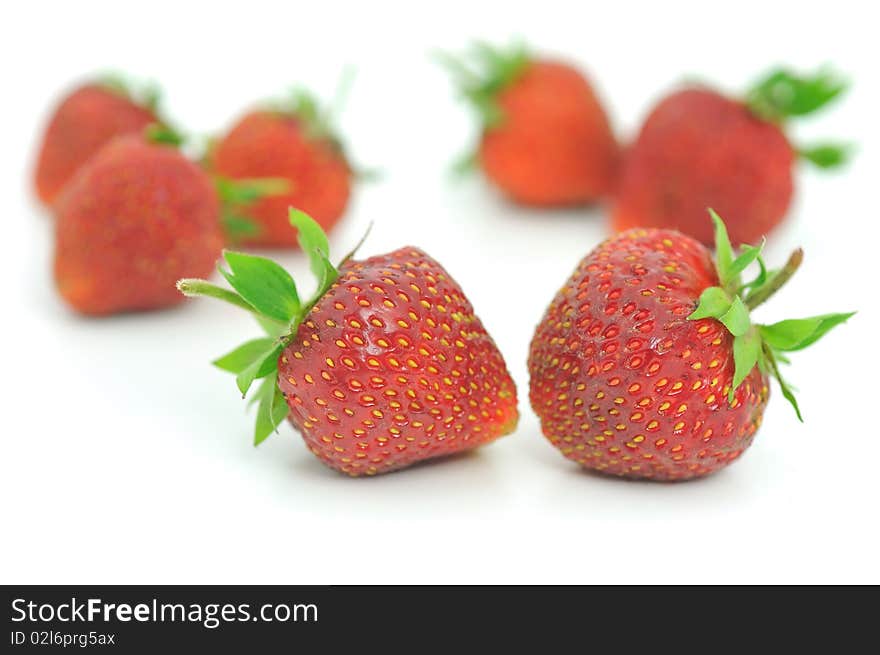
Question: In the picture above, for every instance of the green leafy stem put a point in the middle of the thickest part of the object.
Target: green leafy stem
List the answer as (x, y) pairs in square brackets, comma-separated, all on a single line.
[(782, 95), (237, 195), (266, 290), (319, 121), (480, 76), (732, 300), (147, 94), (483, 73), (162, 134)]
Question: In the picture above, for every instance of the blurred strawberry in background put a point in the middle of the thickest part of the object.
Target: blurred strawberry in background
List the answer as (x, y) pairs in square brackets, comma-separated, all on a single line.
[(132, 221), (699, 148), (545, 139), (293, 152), (84, 121)]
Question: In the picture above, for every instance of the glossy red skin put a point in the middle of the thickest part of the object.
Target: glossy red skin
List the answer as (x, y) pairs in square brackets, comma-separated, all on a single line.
[(83, 123), (392, 367), (623, 383), (698, 149), (270, 144), (134, 220), (555, 146)]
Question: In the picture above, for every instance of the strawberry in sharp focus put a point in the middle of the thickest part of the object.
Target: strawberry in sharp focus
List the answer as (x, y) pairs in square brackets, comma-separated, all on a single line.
[(131, 222), (386, 365), (647, 364), (84, 121), (545, 138), (292, 142), (700, 149)]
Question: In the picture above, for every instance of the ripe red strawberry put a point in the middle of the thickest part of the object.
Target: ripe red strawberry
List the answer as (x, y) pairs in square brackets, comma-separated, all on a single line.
[(700, 149), (647, 365), (387, 364), (294, 142), (545, 139), (83, 123), (134, 219)]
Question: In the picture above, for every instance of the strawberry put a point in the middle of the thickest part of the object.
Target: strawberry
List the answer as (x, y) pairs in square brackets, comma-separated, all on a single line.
[(133, 220), (294, 143), (545, 139), (699, 148), (83, 123), (647, 364), (386, 365)]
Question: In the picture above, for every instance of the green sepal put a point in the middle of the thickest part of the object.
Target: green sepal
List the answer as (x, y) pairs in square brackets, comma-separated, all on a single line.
[(318, 121), (238, 227), (746, 354), (466, 163), (781, 94), (826, 155), (313, 241), (117, 83), (264, 284), (305, 107), (772, 281), (273, 328), (192, 288), (309, 235), (781, 358), (760, 279), (271, 410), (245, 191), (787, 393), (262, 365), (147, 94), (748, 255), (236, 195), (368, 174), (162, 134), (714, 303), (736, 318), (269, 293), (732, 302), (239, 359), (483, 73), (798, 333), (329, 274), (724, 255)]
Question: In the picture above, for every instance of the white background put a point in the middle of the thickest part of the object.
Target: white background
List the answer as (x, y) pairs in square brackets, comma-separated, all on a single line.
[(126, 458)]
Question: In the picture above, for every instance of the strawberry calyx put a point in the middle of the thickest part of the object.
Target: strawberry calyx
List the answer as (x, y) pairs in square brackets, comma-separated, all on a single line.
[(146, 94), (480, 76), (826, 155), (782, 95), (319, 121), (731, 303), (238, 195), (483, 73), (163, 135), (267, 291)]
